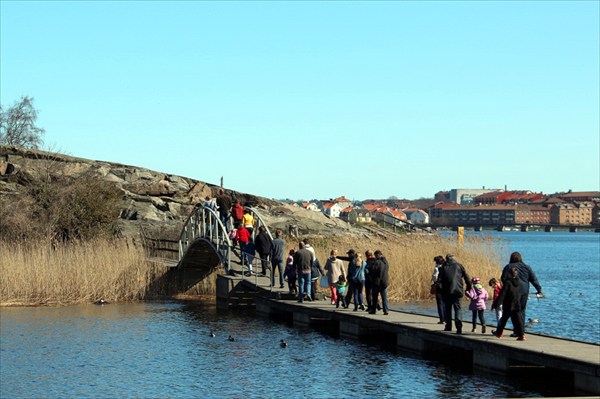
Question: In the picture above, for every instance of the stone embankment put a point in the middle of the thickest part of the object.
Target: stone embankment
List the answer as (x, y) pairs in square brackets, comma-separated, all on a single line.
[(151, 198)]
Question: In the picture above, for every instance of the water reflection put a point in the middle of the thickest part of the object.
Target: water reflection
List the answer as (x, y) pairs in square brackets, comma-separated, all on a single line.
[(165, 350)]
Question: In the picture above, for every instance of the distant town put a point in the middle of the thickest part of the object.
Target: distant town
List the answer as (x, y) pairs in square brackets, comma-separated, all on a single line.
[(468, 207)]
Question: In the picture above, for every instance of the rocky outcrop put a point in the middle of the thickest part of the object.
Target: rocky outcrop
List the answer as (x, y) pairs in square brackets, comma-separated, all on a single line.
[(151, 198)]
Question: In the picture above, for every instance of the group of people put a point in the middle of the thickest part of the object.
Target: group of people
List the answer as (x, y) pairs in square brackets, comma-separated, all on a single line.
[(450, 283), (363, 283)]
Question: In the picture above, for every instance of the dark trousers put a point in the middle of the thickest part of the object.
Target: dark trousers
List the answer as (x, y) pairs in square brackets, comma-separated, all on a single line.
[(515, 317), (350, 291), (292, 284), (264, 263), (440, 305), (369, 295), (376, 291), (522, 312), (481, 315), (340, 298), (453, 303)]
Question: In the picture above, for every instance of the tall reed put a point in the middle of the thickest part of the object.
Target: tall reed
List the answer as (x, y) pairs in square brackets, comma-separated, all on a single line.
[(410, 258), (38, 273)]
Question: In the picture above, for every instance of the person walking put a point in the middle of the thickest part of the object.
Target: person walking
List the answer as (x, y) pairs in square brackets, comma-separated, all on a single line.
[(237, 212), (478, 296), (525, 277), (334, 268), (224, 204), (358, 278), (303, 260), (497, 307), (351, 270), (262, 243), (248, 221), (277, 257), (340, 287), (380, 281), (437, 287), (242, 236), (315, 273), (452, 275), (510, 298), (369, 279), (291, 273)]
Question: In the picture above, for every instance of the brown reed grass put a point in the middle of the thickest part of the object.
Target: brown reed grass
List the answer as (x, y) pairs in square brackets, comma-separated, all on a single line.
[(411, 259), (35, 273)]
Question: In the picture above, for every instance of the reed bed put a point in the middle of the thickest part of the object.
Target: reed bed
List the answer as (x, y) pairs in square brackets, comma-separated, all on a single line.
[(411, 259), (42, 274)]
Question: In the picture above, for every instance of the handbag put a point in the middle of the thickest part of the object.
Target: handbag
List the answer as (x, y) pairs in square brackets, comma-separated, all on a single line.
[(324, 282)]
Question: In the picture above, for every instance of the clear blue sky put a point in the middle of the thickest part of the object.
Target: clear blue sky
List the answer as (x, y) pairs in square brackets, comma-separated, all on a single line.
[(317, 99)]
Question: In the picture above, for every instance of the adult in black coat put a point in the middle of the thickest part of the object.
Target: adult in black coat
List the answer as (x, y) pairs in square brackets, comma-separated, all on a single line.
[(262, 244), (380, 280), (510, 299), (452, 274), (524, 277)]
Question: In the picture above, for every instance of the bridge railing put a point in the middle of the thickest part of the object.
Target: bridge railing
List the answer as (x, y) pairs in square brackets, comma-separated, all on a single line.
[(205, 223)]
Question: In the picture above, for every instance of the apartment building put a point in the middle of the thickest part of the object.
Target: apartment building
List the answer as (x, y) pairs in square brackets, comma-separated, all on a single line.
[(572, 213)]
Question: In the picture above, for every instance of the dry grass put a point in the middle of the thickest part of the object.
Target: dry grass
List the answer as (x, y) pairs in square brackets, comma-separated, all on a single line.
[(411, 259), (38, 274)]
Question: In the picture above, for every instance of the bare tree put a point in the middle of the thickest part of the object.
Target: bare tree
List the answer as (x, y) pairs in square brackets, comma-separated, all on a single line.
[(17, 125)]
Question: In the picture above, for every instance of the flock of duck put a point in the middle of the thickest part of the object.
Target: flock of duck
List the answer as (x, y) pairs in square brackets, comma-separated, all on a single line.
[(282, 342)]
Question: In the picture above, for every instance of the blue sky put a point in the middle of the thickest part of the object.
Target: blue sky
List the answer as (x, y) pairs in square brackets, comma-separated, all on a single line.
[(317, 99)]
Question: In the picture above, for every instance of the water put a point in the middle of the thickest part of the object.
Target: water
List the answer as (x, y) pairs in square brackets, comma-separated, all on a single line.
[(567, 266), (164, 350)]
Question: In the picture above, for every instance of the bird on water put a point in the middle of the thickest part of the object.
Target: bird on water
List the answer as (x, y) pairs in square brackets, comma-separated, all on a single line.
[(231, 339), (283, 344), (212, 334)]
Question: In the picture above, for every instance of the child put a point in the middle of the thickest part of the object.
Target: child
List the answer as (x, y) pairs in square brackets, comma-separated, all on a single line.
[(478, 296), (340, 289), (497, 286), (291, 273)]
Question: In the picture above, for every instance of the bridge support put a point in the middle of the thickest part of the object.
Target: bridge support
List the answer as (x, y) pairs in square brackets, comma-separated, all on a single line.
[(548, 229), (524, 228)]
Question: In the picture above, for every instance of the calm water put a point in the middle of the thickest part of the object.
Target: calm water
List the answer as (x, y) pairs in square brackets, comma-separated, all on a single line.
[(567, 266), (163, 350)]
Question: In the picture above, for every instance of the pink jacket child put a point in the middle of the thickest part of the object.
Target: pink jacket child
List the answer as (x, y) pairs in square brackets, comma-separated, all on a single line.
[(478, 296)]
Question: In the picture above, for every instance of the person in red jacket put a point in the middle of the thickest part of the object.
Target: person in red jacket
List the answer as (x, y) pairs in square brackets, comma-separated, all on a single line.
[(242, 235), (237, 212)]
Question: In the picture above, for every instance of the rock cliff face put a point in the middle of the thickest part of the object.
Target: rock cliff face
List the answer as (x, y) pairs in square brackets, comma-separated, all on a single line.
[(150, 198)]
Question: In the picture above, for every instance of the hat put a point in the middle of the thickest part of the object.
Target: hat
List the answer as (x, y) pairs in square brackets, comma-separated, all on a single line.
[(351, 252), (476, 280)]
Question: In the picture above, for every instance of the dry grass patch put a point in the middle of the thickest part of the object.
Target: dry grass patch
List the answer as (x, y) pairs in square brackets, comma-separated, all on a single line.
[(411, 258), (39, 274)]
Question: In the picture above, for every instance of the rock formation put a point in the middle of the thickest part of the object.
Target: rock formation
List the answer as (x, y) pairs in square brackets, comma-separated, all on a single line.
[(152, 198)]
